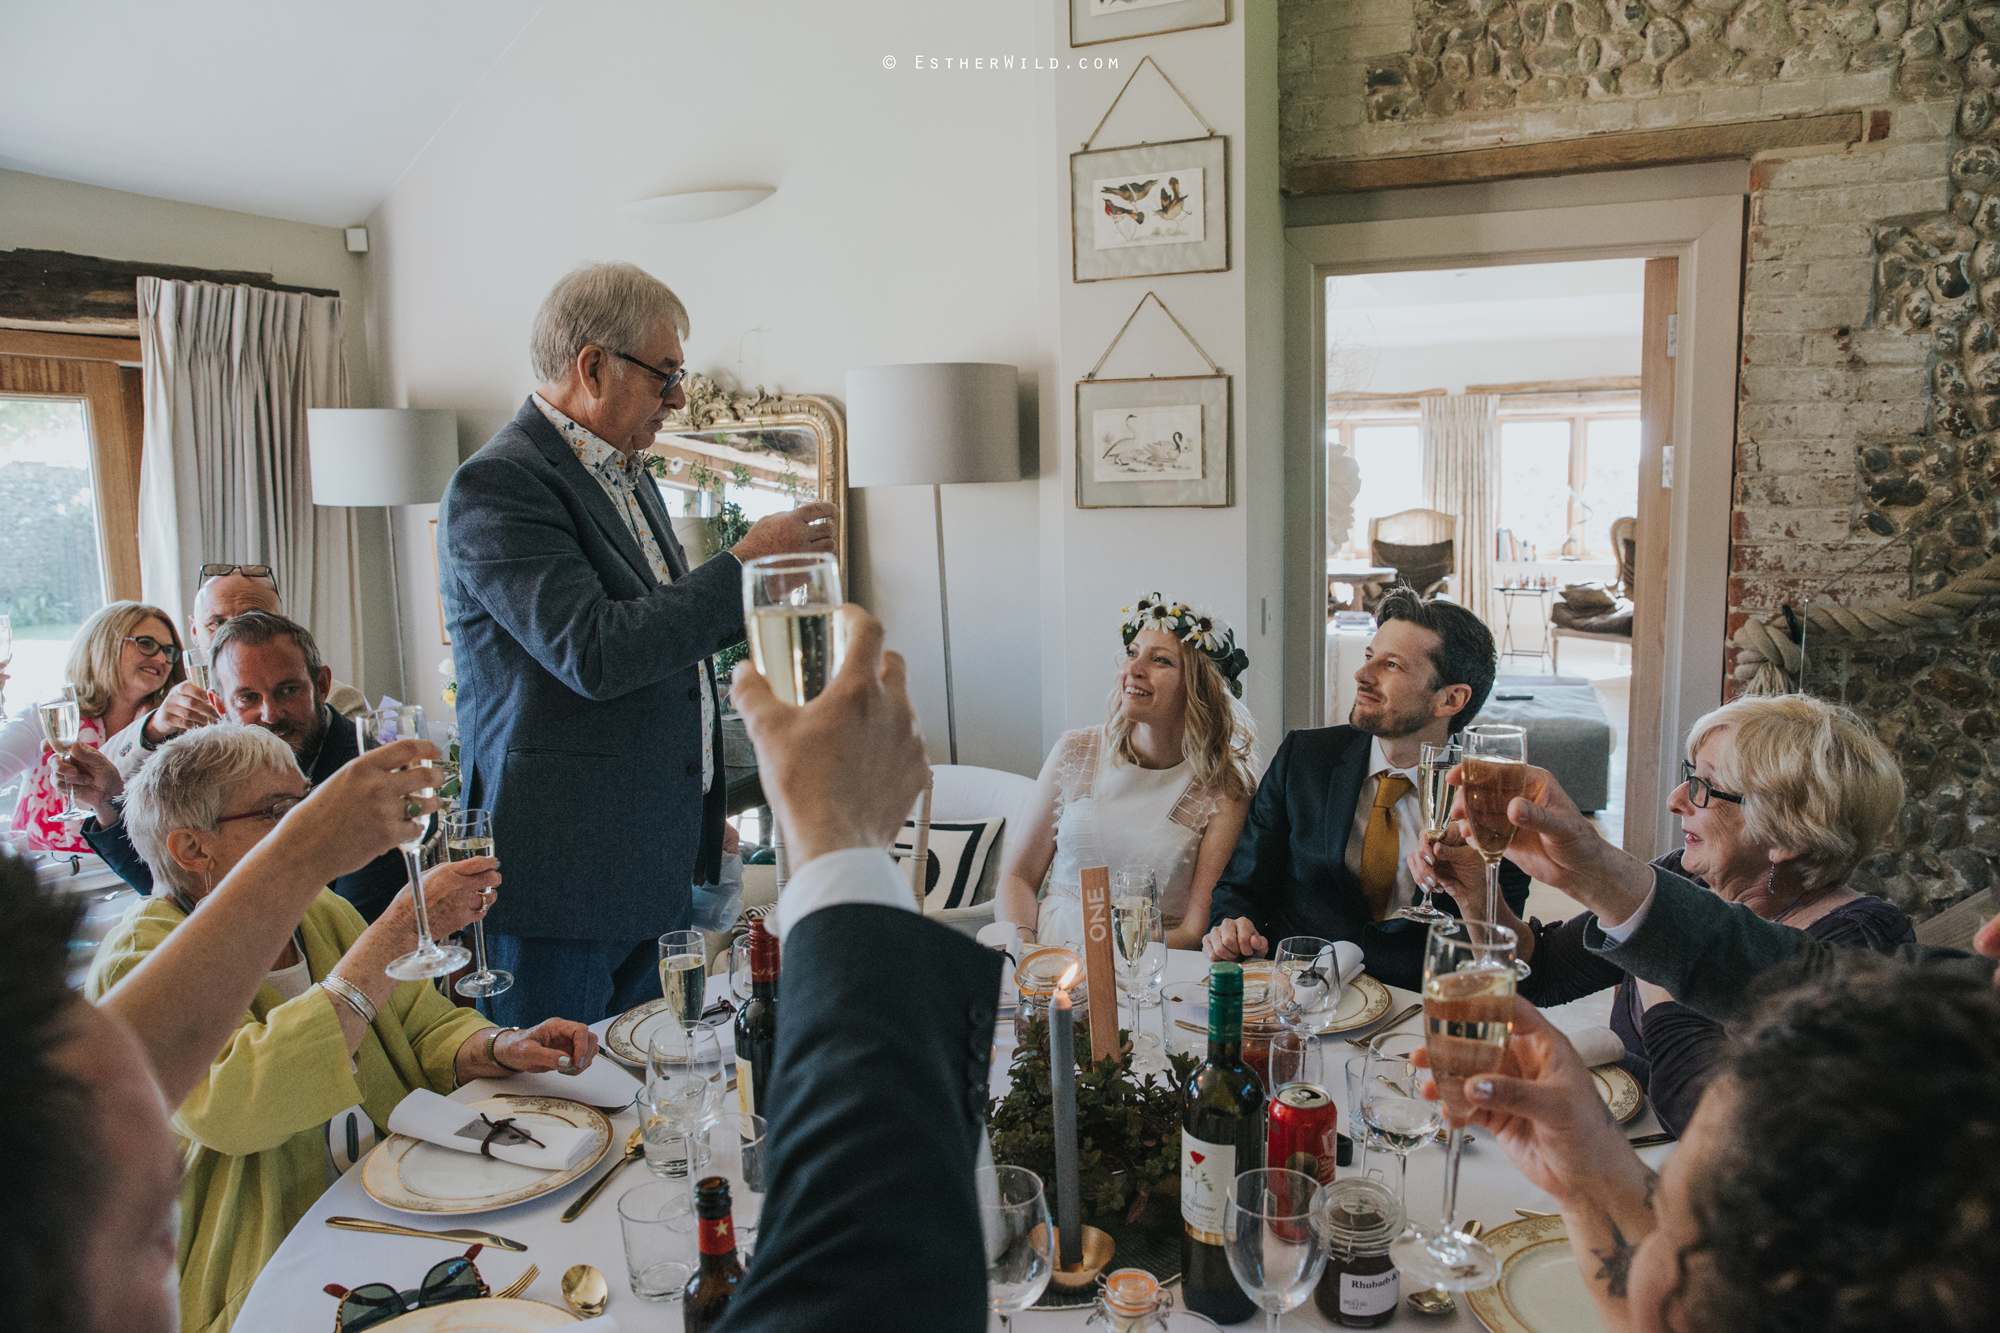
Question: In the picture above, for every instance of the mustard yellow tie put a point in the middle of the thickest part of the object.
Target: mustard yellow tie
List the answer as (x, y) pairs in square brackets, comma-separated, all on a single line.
[(1380, 849)]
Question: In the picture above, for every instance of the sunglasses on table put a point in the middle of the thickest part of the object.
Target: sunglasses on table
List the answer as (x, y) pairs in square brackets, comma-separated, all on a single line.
[(149, 646), (247, 571), (669, 379), (366, 1306), (1701, 790)]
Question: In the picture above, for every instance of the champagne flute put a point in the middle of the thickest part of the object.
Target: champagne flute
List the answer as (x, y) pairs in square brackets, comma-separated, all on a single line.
[(6, 657), (791, 604), (1434, 799), (684, 975), (63, 726), (386, 726), (195, 659), (1399, 1118), (1270, 1242), (1138, 934), (1468, 1012), (1495, 772), (1020, 1242), (469, 833)]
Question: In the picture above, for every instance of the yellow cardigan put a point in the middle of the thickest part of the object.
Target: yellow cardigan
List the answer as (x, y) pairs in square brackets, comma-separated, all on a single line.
[(251, 1133)]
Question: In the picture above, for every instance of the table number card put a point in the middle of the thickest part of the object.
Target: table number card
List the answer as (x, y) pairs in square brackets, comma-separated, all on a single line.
[(1099, 971)]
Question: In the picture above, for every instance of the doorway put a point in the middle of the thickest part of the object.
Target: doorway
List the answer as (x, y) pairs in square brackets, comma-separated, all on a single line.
[(1684, 399)]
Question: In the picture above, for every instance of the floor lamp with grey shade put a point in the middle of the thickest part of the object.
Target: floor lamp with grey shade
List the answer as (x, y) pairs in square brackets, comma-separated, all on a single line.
[(934, 424), (367, 457)]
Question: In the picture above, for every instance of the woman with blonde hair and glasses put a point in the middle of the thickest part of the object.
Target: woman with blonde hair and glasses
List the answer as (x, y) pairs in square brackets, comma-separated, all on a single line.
[(121, 664), (1164, 784)]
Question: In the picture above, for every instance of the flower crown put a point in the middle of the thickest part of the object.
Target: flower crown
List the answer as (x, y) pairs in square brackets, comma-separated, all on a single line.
[(1205, 632)]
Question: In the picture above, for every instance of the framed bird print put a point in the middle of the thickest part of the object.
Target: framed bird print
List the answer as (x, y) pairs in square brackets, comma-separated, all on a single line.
[(1094, 21), (1160, 442), (1150, 209)]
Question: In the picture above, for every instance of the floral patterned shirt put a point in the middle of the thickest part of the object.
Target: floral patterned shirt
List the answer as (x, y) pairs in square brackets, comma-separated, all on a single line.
[(620, 477)]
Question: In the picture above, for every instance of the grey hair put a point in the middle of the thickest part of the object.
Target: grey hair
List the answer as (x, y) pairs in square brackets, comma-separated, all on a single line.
[(613, 306), (187, 784)]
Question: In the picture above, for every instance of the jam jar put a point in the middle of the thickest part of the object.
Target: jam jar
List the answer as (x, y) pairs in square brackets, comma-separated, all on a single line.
[(1357, 1218), (1036, 979)]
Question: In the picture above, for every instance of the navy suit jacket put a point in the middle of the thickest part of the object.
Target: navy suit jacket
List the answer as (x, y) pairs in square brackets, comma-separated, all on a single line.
[(579, 706), (1289, 871), (370, 889)]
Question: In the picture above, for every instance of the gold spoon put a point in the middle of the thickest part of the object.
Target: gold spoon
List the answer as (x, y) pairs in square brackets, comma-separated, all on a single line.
[(1436, 1300), (584, 1291), (635, 1148)]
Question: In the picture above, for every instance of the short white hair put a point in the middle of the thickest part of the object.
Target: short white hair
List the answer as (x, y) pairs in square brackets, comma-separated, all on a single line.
[(1814, 779), (188, 783), (613, 306)]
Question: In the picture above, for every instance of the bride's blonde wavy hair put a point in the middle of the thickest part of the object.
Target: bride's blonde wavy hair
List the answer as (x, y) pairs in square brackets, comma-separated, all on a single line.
[(1218, 739)]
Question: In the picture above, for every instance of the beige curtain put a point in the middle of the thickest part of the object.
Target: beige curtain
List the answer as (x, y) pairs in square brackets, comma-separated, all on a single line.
[(228, 375), (1461, 437)]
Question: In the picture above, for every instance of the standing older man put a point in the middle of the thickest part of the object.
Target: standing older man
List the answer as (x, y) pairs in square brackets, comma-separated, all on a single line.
[(587, 712), (226, 591)]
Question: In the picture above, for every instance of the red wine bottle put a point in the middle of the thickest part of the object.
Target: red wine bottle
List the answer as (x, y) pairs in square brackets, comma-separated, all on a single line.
[(1222, 1133), (757, 1022), (708, 1292)]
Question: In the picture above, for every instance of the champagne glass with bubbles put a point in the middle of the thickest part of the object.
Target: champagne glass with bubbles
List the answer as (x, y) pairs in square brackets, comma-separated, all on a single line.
[(1020, 1241), (385, 726), (1434, 799), (1494, 772), (469, 833), (1138, 934), (791, 604), (684, 974), (62, 724)]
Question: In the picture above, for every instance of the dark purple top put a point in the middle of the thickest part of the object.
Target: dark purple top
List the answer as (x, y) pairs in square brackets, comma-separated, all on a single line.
[(1669, 1048)]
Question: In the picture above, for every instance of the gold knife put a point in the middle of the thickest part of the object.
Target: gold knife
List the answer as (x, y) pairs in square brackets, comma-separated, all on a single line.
[(575, 1210), (458, 1235)]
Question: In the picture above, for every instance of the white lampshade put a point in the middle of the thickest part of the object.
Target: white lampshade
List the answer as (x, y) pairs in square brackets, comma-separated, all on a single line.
[(366, 456), (931, 423)]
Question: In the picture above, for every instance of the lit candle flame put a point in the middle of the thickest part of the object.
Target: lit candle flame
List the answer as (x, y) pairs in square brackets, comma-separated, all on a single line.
[(1068, 978)]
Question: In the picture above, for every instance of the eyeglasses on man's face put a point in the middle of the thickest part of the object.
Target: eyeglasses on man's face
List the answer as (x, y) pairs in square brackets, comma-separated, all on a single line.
[(247, 571), (149, 646), (273, 812), (1701, 790), (669, 379)]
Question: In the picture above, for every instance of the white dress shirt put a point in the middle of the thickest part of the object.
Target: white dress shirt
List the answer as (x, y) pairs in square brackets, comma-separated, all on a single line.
[(1409, 824)]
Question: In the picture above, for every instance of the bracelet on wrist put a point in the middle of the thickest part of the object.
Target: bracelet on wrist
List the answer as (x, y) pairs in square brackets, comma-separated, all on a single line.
[(492, 1055), (349, 994)]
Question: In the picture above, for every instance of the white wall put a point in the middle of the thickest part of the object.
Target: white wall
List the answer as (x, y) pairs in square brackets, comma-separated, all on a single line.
[(41, 213)]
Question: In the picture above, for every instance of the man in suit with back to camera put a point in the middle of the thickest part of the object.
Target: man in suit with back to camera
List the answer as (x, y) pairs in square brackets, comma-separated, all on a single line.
[(587, 712), (1336, 815)]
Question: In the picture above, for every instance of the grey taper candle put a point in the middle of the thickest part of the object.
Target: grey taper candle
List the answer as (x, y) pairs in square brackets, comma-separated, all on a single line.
[(1062, 1064)]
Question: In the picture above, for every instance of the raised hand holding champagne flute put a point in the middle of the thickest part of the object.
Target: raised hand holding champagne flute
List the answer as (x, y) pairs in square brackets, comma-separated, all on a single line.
[(373, 730), (62, 725), (1434, 799)]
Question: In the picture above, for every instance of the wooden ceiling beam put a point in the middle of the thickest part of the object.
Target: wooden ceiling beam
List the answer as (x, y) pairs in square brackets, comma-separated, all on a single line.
[(52, 288)]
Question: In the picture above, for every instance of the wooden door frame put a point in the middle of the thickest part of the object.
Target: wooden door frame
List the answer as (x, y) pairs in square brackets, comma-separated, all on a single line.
[(1706, 235), (104, 372)]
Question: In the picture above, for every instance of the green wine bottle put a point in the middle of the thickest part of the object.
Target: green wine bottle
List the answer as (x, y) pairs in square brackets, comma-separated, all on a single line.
[(1222, 1134)]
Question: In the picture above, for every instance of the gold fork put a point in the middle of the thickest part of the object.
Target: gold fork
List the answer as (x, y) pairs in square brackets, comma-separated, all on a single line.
[(519, 1284)]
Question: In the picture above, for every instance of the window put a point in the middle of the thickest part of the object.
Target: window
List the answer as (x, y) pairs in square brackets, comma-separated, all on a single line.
[(1390, 454), (51, 576), (1565, 477)]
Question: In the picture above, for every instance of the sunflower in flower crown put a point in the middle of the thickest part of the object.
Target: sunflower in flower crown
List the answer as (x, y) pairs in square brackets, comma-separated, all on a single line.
[(1196, 628)]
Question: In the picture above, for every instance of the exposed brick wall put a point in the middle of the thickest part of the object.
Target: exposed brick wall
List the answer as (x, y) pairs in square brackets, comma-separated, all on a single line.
[(1870, 359)]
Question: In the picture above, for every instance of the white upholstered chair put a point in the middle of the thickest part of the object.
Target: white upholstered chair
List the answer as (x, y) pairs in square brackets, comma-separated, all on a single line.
[(965, 792)]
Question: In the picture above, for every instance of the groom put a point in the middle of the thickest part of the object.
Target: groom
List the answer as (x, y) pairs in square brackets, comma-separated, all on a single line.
[(1336, 815)]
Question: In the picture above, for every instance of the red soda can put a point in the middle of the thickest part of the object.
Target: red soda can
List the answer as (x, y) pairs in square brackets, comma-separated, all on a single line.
[(1304, 1131)]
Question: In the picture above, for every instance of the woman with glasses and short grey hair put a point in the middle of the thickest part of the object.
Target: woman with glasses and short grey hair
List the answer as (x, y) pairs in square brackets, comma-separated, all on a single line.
[(122, 662), (1780, 801), (330, 1044)]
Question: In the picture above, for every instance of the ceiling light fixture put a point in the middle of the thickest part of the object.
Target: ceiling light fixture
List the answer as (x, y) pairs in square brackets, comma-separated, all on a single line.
[(694, 205)]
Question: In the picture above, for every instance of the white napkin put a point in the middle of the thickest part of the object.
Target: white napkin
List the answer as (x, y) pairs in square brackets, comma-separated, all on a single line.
[(1347, 957), (605, 1083), (1597, 1046), (434, 1119)]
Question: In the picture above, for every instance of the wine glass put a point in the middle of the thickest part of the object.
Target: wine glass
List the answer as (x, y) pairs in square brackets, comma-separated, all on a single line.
[(62, 723), (1468, 1012), (696, 1053), (1495, 772), (684, 974), (1356, 1069), (1138, 934), (1307, 962), (469, 833), (385, 726), (1020, 1242), (1270, 1242), (6, 657), (1434, 762), (1399, 1118)]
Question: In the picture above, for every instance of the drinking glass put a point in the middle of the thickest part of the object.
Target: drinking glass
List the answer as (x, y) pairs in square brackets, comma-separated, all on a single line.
[(1434, 762), (1392, 1104), (6, 657), (1307, 963), (1468, 1012), (386, 726), (1364, 1138), (469, 833), (1294, 1058), (684, 974), (1496, 771), (791, 605), (1270, 1242), (62, 725), (1139, 943), (657, 1219), (692, 1059), (739, 969), (741, 1158), (1020, 1242)]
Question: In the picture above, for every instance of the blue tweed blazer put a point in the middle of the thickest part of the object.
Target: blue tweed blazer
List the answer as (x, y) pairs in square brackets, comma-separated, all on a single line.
[(579, 706)]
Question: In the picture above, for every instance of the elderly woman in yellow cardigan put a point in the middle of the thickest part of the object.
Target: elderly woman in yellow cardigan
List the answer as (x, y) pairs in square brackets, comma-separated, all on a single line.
[(328, 1032)]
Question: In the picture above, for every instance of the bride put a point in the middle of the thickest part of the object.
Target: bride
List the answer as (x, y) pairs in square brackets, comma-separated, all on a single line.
[(1163, 785)]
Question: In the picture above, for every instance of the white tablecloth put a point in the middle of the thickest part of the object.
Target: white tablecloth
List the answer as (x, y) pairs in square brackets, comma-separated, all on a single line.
[(288, 1296)]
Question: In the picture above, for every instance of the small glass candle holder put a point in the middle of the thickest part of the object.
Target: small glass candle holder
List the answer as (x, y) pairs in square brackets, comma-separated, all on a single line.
[(1130, 1300)]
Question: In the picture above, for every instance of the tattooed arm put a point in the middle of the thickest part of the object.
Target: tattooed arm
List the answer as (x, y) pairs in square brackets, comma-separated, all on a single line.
[(1544, 1109)]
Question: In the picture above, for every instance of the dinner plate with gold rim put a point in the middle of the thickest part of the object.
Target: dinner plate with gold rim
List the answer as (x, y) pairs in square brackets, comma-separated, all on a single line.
[(1620, 1091), (1541, 1290), (487, 1314), (626, 1039), (1362, 1001), (413, 1176)]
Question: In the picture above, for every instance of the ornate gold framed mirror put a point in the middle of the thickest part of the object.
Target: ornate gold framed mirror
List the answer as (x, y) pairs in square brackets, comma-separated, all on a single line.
[(732, 456)]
